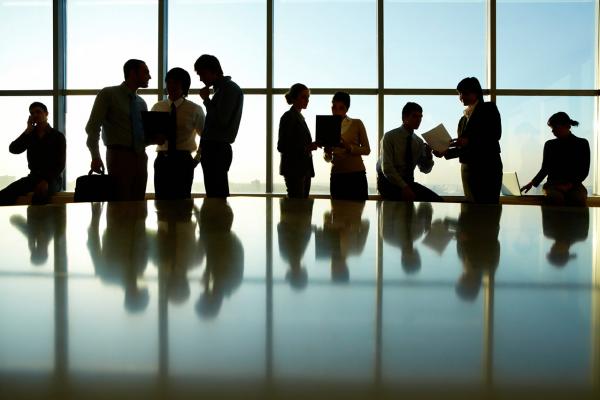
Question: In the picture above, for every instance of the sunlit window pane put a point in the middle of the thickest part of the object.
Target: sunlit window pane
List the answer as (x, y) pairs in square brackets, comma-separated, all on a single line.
[(26, 45), (546, 44), (433, 44), (326, 43), (103, 34), (233, 31)]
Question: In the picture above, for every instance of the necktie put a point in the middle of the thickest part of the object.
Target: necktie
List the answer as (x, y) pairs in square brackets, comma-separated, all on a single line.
[(137, 129), (410, 167), (172, 139)]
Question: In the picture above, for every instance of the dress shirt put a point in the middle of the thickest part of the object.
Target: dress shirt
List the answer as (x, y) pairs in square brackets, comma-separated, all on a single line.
[(111, 113), (565, 161), (355, 135), (223, 111), (190, 120), (45, 156), (392, 163)]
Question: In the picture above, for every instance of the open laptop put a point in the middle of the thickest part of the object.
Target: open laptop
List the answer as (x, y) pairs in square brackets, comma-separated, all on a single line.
[(329, 130), (510, 184)]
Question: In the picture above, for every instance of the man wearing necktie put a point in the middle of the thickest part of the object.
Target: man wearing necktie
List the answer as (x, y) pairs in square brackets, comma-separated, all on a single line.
[(117, 112), (402, 151), (174, 164)]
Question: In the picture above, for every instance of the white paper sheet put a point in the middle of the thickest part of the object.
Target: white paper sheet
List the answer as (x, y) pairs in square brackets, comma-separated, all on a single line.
[(438, 138)]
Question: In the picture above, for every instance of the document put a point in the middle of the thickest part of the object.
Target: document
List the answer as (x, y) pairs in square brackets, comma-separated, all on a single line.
[(438, 236), (438, 138)]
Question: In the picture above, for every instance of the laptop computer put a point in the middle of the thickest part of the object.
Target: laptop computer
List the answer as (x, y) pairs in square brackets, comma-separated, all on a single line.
[(510, 184), (329, 130)]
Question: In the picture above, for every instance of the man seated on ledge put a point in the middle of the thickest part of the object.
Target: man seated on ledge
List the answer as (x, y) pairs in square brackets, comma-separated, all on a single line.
[(401, 152), (46, 152)]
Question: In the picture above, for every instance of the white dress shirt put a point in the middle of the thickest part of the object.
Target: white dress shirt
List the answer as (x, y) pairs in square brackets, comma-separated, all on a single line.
[(190, 121)]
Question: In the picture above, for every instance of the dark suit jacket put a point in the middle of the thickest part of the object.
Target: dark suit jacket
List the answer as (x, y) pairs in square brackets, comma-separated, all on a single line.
[(483, 130), (294, 138)]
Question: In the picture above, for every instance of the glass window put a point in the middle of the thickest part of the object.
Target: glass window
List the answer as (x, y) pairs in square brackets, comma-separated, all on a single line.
[(101, 36), (325, 43), (444, 178), (361, 107), (546, 44), (233, 31), (26, 46), (433, 44), (14, 166), (525, 130)]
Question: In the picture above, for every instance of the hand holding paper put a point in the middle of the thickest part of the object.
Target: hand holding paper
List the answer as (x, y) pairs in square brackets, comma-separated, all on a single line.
[(438, 138)]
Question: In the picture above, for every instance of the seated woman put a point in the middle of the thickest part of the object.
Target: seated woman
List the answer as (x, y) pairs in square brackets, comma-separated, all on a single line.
[(295, 144), (566, 162), (348, 177)]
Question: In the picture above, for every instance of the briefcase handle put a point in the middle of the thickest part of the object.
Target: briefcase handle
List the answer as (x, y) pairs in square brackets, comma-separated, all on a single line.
[(101, 171)]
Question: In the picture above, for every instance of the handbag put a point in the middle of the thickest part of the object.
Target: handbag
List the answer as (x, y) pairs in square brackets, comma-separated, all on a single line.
[(94, 187)]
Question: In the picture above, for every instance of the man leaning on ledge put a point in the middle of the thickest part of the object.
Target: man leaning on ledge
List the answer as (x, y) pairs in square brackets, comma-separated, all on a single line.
[(46, 152)]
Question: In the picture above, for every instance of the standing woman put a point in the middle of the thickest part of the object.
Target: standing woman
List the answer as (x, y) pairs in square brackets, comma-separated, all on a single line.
[(295, 144), (478, 144), (348, 177), (566, 163)]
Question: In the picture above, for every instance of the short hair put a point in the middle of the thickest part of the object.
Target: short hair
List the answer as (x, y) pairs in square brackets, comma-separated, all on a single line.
[(342, 97), (211, 63), (131, 65), (182, 76), (294, 91), (470, 85), (37, 104), (561, 118), (410, 108)]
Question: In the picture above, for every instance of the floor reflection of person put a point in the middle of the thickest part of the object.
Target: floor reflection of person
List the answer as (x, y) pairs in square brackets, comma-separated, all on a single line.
[(224, 269), (477, 246), (42, 225), (176, 249), (121, 256), (566, 227), (293, 233), (402, 224), (344, 234)]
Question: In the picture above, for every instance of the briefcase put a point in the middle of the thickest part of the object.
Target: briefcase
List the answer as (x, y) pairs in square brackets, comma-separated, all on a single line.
[(94, 187)]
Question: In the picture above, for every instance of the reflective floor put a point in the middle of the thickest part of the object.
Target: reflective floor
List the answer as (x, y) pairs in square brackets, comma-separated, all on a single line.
[(274, 298)]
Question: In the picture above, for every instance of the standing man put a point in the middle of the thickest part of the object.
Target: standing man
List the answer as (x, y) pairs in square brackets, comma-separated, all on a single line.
[(46, 153), (223, 115), (174, 165), (117, 110), (401, 152)]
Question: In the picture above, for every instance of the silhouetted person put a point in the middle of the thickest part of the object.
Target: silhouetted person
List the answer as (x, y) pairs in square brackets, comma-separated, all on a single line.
[(344, 234), (402, 224), (46, 154), (174, 165), (294, 230), (224, 269), (117, 111), (348, 179), (478, 145), (402, 151), (176, 249), (566, 227), (566, 163), (42, 225), (295, 144), (477, 246), (223, 116), (122, 255)]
